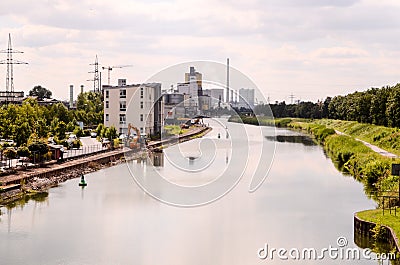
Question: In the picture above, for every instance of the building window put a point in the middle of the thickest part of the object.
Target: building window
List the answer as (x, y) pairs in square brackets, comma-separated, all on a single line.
[(122, 93), (107, 93), (122, 105), (107, 104), (107, 117), (141, 129), (122, 119), (141, 92), (141, 117), (141, 104)]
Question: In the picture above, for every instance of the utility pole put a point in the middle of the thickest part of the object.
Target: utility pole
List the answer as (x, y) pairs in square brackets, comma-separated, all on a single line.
[(10, 69), (291, 98), (96, 78), (227, 80)]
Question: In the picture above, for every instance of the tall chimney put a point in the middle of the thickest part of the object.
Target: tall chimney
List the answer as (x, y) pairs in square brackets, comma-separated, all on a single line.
[(71, 96), (227, 80), (81, 89)]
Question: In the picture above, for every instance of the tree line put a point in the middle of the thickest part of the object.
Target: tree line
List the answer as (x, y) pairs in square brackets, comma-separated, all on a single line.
[(30, 124), (379, 106)]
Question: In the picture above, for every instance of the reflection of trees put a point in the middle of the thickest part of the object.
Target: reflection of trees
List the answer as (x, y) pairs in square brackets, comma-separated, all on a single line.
[(38, 197), (301, 139)]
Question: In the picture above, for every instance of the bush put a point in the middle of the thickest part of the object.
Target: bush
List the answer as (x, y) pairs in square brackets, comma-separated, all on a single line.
[(86, 132), (78, 132), (76, 144)]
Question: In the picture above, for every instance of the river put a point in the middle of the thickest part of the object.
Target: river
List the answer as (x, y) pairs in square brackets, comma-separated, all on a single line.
[(303, 203)]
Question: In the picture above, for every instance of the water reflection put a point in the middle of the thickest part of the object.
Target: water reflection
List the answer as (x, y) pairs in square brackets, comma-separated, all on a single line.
[(383, 247), (301, 139), (39, 197), (156, 158), (304, 202)]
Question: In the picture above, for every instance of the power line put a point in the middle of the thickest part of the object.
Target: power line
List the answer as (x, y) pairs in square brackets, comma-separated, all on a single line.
[(10, 69)]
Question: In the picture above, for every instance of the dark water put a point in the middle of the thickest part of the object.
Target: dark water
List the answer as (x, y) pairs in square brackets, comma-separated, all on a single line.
[(293, 138), (304, 203)]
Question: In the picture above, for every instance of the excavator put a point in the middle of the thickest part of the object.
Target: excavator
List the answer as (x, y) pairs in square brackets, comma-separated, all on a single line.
[(134, 141)]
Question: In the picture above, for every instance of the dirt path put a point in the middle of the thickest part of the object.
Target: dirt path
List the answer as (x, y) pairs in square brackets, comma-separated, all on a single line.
[(372, 147)]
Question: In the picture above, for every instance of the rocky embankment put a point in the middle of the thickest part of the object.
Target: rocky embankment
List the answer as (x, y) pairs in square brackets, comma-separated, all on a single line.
[(37, 184)]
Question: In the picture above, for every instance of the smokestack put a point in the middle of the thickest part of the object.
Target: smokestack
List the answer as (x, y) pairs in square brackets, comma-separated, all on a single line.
[(71, 96), (81, 89), (227, 80)]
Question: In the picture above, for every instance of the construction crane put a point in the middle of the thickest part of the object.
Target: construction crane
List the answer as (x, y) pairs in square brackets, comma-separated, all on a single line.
[(109, 69)]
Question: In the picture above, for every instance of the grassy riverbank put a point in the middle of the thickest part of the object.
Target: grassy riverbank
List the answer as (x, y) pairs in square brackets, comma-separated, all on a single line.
[(348, 154), (376, 216)]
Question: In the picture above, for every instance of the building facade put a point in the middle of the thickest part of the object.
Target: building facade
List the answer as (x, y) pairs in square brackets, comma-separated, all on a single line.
[(246, 98), (138, 104), (216, 95)]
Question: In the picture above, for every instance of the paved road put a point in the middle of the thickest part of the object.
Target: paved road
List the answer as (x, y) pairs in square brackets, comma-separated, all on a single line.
[(88, 141), (373, 147)]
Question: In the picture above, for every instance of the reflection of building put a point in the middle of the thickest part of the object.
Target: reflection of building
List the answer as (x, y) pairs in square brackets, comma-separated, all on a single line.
[(216, 95), (139, 104), (246, 98), (156, 159)]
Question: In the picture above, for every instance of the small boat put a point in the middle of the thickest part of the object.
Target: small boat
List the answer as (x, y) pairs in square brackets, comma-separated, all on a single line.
[(83, 183)]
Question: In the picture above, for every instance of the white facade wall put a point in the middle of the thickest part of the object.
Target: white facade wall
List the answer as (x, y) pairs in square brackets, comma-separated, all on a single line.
[(130, 104)]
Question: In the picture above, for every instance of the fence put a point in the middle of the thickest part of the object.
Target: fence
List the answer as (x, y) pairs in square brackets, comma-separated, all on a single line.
[(85, 150)]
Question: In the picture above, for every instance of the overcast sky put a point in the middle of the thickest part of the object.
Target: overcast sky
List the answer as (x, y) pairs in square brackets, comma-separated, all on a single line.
[(311, 48)]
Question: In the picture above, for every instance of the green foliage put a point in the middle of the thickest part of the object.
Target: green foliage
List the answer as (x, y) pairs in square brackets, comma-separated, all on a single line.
[(116, 142), (23, 151), (373, 106), (100, 130), (172, 130), (76, 144), (71, 126), (10, 153), (110, 133), (40, 92), (78, 131), (90, 108), (38, 147)]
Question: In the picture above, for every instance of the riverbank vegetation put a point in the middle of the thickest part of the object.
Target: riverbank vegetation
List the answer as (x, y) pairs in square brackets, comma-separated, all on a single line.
[(26, 129), (378, 106), (349, 155), (376, 216)]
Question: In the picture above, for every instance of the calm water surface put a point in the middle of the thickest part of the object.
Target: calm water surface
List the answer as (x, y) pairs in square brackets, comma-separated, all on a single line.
[(304, 202)]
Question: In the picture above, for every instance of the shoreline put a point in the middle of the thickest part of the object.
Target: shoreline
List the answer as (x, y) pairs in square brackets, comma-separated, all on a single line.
[(40, 182)]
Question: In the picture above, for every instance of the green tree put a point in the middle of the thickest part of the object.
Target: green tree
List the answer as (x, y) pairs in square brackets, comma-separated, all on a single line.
[(393, 108), (38, 150), (40, 92), (99, 130), (110, 133), (22, 131), (23, 151)]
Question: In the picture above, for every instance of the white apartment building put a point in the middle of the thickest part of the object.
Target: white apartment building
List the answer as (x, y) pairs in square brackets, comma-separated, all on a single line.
[(138, 104)]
